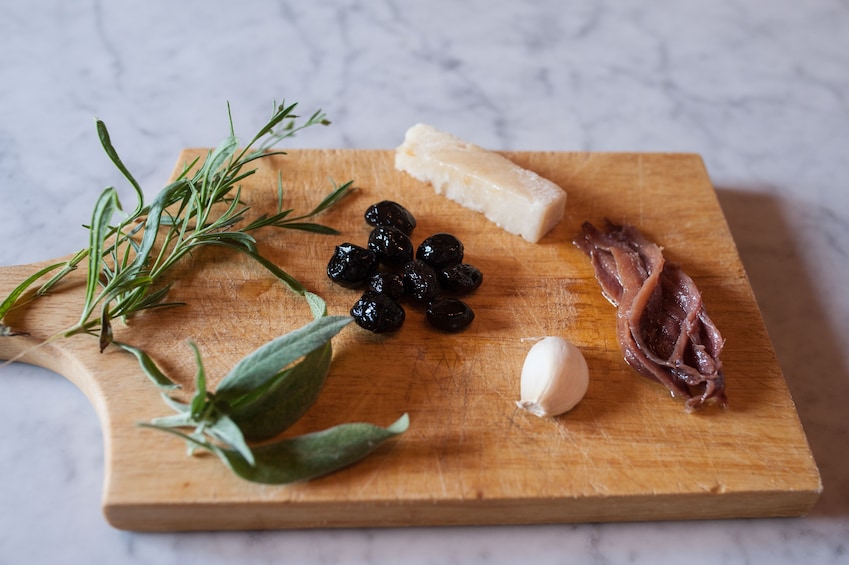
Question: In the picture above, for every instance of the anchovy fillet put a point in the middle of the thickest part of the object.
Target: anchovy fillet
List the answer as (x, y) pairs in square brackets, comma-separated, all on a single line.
[(662, 327)]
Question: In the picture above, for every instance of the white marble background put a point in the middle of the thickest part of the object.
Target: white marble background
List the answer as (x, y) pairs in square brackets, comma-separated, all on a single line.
[(759, 88)]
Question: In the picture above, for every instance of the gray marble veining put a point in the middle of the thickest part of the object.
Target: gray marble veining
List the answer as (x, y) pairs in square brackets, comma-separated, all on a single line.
[(760, 89)]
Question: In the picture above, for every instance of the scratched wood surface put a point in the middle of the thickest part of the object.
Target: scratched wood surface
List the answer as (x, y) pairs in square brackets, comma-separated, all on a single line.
[(627, 452)]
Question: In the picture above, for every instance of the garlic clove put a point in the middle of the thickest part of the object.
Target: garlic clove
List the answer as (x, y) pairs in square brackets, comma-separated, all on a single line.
[(554, 377)]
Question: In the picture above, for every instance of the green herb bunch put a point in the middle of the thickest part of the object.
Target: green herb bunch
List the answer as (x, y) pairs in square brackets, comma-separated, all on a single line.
[(198, 209), (263, 395), (270, 389)]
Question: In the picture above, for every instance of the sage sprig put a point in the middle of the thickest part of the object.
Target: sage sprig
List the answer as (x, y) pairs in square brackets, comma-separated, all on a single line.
[(260, 398)]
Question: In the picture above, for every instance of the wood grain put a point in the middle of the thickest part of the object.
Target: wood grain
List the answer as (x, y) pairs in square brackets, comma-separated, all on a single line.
[(627, 452)]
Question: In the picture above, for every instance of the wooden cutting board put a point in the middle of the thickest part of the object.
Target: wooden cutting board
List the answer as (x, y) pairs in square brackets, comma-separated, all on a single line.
[(627, 452)]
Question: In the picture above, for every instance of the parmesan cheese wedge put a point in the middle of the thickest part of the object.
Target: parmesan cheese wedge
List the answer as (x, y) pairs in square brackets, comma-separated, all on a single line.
[(516, 199)]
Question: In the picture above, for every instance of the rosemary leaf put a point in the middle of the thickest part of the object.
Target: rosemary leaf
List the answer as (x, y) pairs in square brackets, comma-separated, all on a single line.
[(105, 328), (106, 142), (310, 227), (6, 331), (155, 212), (235, 239), (219, 157), (105, 207), (149, 367), (265, 220), (70, 265), (16, 293), (333, 198), (155, 299), (283, 112), (282, 275)]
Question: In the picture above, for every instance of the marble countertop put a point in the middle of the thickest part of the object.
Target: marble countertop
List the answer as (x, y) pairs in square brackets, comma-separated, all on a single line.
[(760, 89)]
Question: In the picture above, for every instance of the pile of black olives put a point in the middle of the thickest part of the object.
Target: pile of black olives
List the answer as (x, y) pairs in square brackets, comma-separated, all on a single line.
[(391, 270)]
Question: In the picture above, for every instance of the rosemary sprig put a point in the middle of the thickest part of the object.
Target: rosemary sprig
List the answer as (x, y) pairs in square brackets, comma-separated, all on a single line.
[(201, 208)]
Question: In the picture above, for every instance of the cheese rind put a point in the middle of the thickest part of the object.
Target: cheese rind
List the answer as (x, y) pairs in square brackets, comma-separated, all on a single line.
[(516, 199)]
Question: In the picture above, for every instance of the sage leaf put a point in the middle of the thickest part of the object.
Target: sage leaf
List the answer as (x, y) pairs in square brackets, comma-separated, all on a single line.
[(198, 404), (258, 367), (227, 432), (312, 455), (271, 410), (318, 306), (173, 421), (180, 407)]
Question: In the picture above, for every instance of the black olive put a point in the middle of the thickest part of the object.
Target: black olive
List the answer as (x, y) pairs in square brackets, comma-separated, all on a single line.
[(420, 281), (378, 313), (390, 214), (460, 278), (450, 314), (390, 284), (351, 265), (392, 246), (440, 250)]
